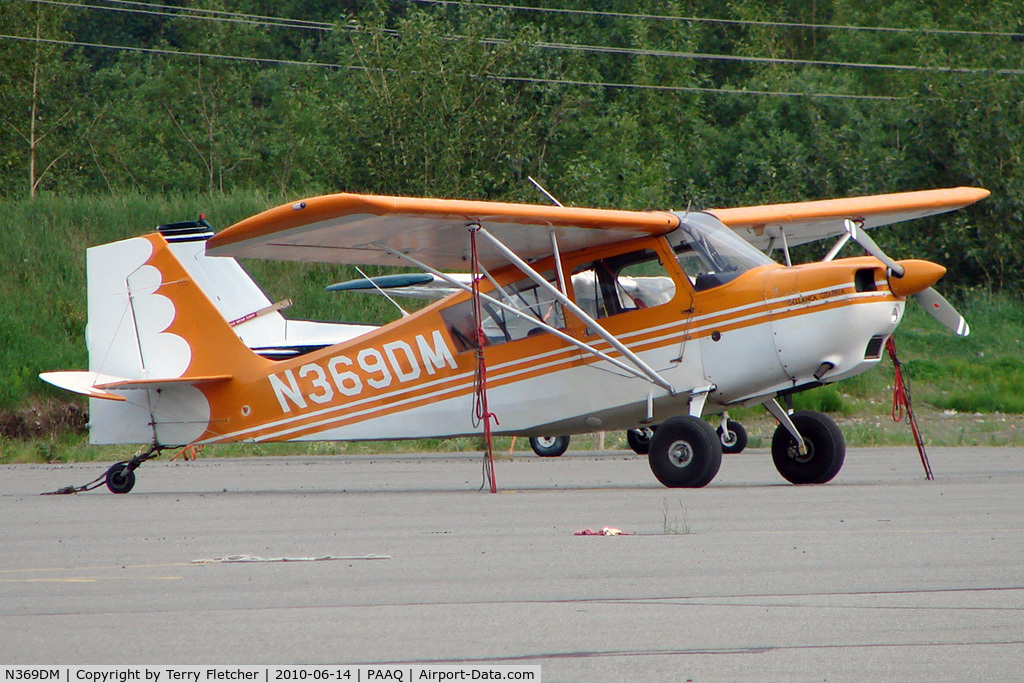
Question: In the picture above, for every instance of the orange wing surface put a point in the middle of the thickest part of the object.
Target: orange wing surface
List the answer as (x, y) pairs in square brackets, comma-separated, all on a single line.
[(810, 221), (351, 228)]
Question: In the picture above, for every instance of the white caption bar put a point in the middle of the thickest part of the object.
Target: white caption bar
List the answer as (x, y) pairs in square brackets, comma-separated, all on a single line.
[(340, 673)]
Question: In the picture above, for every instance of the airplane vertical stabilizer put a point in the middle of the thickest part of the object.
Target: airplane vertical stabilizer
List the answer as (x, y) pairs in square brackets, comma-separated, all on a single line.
[(150, 323)]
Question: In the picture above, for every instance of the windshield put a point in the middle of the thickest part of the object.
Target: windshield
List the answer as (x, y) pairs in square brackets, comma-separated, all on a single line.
[(710, 253)]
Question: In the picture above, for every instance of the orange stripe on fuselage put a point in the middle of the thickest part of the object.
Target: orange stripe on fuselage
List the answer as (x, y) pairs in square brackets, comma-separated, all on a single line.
[(743, 303)]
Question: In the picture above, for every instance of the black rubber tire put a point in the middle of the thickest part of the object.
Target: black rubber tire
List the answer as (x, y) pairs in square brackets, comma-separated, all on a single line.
[(549, 446), (639, 439), (120, 479), (826, 449), (736, 439), (685, 452)]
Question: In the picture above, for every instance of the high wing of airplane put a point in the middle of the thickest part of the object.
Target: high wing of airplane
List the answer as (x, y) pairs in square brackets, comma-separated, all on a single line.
[(584, 319)]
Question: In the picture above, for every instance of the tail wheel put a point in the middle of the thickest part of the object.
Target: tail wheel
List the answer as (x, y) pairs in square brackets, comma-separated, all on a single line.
[(120, 478), (734, 438), (685, 452), (639, 439), (549, 446), (825, 449)]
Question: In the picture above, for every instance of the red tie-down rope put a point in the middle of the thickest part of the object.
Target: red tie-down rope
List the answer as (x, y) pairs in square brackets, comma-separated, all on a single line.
[(481, 414), (901, 405)]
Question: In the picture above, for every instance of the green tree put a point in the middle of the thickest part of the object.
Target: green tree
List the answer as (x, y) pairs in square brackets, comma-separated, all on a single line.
[(44, 96), (428, 108)]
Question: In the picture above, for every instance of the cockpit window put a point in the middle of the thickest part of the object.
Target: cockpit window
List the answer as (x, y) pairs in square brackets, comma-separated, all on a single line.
[(622, 283), (499, 325), (710, 253)]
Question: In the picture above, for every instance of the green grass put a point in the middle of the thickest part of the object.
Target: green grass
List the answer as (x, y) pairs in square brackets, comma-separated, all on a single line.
[(42, 327), (42, 276), (67, 447)]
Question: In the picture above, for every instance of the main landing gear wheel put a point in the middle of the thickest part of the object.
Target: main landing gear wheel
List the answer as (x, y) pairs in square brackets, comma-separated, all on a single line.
[(549, 446), (734, 438), (824, 444), (120, 477), (639, 439), (685, 452)]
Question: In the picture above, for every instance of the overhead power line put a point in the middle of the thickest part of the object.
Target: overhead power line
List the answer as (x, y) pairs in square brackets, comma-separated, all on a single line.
[(178, 53), (194, 13), (211, 15), (284, 22), (762, 60), (522, 79), (734, 22), (255, 18), (718, 91)]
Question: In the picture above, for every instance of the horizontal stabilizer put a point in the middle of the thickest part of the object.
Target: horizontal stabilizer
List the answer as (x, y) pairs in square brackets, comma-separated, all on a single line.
[(82, 382), (99, 385), (162, 383)]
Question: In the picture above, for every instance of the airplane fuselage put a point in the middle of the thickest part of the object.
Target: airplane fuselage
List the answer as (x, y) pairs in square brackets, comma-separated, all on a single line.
[(765, 332)]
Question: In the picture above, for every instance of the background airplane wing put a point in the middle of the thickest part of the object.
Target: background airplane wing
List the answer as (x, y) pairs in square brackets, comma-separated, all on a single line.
[(811, 221), (355, 229), (409, 285)]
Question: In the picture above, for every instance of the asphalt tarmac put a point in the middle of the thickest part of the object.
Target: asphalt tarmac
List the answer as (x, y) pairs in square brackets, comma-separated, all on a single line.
[(877, 576)]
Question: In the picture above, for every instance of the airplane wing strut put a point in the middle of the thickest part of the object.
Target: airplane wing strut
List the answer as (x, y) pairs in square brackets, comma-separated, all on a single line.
[(638, 369), (644, 368), (519, 313)]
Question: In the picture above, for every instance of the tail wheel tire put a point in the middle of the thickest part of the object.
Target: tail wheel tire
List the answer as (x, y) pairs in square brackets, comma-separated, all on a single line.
[(825, 449), (120, 479), (685, 452), (549, 446), (734, 438), (639, 439)]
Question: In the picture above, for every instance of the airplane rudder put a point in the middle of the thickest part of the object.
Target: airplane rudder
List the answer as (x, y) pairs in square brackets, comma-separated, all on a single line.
[(195, 317), (147, 315)]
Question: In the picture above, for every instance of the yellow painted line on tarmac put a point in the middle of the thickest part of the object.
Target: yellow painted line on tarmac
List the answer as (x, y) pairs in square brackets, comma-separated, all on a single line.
[(91, 579), (24, 575)]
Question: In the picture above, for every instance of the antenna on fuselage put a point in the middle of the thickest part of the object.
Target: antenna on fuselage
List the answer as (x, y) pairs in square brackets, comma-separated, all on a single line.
[(545, 192)]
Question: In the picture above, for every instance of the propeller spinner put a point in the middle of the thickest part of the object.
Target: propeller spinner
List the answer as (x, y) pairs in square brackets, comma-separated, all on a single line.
[(919, 278)]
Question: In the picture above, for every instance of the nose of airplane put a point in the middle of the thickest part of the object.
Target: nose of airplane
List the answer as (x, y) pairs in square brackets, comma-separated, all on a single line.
[(917, 276)]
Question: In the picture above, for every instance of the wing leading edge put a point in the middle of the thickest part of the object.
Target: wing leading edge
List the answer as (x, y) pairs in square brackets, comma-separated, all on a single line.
[(359, 229), (811, 221), (362, 229)]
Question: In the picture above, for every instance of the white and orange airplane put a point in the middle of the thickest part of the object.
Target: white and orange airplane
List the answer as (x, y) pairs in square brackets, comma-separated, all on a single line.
[(573, 320)]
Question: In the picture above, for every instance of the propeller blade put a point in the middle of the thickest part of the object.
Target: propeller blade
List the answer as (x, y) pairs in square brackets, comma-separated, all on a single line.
[(861, 237), (943, 311)]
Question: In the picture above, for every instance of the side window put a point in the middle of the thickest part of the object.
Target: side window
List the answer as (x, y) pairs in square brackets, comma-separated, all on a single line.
[(622, 283), (701, 271), (499, 325)]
